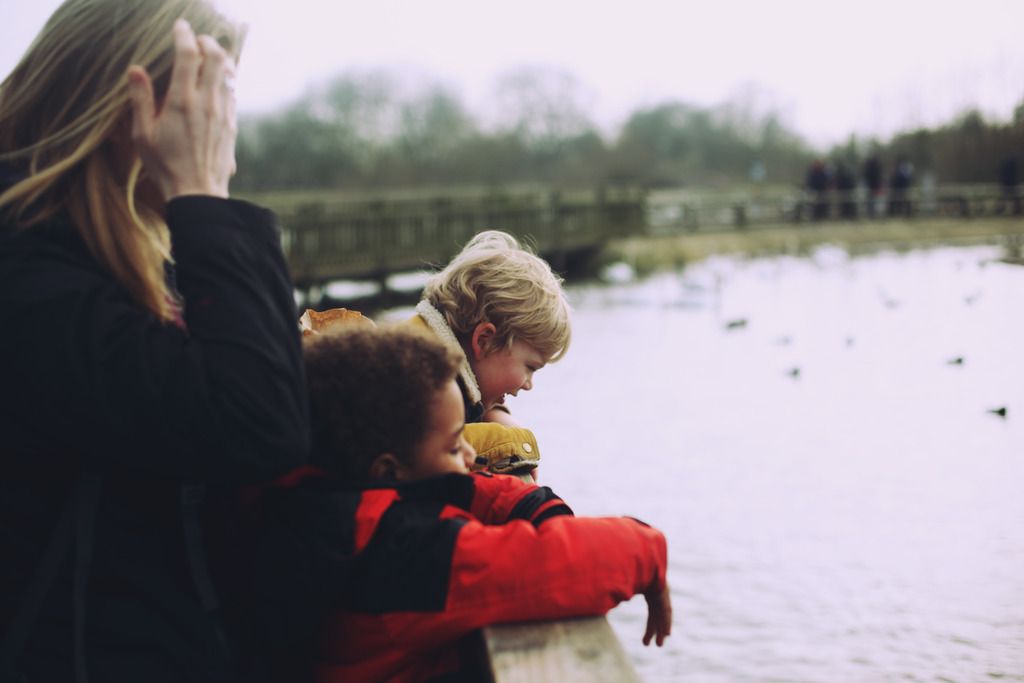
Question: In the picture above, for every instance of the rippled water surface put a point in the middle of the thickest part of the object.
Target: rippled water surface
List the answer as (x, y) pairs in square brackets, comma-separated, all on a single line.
[(840, 505)]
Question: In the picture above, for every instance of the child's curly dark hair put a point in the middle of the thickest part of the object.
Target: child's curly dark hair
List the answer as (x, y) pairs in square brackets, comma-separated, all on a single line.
[(370, 392)]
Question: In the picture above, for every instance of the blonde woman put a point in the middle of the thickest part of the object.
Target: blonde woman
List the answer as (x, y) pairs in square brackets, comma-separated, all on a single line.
[(149, 360)]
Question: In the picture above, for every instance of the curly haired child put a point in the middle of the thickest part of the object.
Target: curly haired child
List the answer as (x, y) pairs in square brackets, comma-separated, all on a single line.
[(391, 535)]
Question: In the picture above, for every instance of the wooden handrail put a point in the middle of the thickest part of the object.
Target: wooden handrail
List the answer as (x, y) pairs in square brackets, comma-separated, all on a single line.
[(329, 238), (584, 650), (325, 240)]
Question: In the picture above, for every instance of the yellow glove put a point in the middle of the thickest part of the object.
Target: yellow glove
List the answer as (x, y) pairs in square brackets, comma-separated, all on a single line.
[(503, 450)]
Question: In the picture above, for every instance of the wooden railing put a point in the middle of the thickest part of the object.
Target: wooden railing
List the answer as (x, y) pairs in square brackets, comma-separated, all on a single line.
[(570, 650), (326, 241), (699, 210), (329, 238)]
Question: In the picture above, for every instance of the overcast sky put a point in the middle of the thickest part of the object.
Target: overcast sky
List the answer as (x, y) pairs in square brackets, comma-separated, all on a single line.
[(831, 68)]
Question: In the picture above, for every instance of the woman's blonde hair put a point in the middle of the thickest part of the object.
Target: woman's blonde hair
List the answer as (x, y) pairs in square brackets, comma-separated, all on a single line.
[(65, 120), (494, 279)]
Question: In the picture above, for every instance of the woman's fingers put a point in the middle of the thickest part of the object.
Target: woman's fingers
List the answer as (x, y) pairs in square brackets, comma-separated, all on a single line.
[(215, 75), (187, 142), (229, 92), (140, 91), (187, 60)]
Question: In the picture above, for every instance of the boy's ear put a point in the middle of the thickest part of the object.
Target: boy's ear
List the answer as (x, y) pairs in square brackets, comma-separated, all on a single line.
[(482, 341), (385, 467)]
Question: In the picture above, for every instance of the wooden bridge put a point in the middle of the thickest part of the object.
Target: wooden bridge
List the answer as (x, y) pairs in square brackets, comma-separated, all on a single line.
[(327, 241), (329, 238)]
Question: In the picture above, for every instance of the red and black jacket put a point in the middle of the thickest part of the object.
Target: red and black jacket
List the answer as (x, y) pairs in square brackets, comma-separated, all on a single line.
[(380, 584)]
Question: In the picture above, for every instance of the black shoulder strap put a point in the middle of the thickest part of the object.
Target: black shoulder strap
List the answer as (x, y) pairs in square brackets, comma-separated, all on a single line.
[(192, 496), (75, 526), (85, 526)]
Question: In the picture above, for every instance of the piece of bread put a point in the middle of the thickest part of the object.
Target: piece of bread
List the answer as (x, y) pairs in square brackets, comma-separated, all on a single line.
[(318, 322)]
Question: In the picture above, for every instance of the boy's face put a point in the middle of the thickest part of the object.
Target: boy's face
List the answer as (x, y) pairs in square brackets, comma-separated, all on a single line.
[(507, 371), (444, 449)]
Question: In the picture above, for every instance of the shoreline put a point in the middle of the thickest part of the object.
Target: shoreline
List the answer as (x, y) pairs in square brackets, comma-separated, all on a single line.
[(648, 254)]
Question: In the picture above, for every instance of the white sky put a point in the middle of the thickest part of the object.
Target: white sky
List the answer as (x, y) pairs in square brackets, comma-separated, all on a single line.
[(871, 67)]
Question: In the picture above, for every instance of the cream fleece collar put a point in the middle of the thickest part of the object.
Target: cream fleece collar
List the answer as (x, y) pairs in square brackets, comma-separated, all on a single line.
[(436, 321)]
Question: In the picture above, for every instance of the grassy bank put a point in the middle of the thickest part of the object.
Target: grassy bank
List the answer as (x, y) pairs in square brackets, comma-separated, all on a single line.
[(648, 254)]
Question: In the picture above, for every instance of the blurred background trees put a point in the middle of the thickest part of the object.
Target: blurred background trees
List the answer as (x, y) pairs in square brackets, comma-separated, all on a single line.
[(369, 132)]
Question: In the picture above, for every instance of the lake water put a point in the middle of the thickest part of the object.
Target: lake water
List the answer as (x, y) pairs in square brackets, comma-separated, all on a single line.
[(840, 505)]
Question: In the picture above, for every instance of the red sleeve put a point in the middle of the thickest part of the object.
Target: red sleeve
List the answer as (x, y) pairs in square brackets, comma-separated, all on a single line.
[(566, 567), (498, 499), (508, 573)]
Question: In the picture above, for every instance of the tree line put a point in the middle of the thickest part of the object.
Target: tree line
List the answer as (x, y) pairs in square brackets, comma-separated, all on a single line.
[(365, 132), (969, 149)]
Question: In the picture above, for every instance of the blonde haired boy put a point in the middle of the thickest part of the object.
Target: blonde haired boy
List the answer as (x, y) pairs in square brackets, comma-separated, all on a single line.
[(504, 309)]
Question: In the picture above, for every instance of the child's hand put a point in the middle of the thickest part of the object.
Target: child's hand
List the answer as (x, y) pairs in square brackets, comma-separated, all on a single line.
[(501, 416), (659, 615)]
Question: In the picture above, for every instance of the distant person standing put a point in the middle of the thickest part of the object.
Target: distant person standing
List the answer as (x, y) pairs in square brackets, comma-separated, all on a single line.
[(1008, 180), (873, 181), (899, 183), (817, 185)]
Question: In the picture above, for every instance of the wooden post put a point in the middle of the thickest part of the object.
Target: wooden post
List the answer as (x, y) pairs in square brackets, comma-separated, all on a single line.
[(555, 223), (583, 650), (303, 243), (739, 215), (600, 217)]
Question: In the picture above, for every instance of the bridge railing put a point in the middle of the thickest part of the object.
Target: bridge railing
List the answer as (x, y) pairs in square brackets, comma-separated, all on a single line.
[(364, 239), (696, 210), (327, 238)]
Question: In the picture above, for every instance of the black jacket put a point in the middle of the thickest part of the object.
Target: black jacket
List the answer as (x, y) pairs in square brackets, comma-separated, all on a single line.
[(90, 382)]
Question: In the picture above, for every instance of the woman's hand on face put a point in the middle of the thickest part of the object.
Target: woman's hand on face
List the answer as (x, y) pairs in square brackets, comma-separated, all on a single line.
[(188, 145)]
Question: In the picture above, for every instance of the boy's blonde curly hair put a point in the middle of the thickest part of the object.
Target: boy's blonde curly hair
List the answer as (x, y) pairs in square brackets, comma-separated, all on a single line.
[(495, 279)]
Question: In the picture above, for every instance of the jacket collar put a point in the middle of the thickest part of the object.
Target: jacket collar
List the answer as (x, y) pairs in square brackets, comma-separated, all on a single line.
[(436, 321), (451, 489)]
